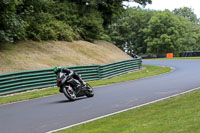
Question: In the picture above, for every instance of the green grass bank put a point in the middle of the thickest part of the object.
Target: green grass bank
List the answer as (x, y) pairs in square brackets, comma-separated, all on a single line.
[(175, 115)]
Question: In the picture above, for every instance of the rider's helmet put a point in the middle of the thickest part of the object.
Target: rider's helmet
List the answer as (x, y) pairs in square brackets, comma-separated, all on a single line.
[(57, 69)]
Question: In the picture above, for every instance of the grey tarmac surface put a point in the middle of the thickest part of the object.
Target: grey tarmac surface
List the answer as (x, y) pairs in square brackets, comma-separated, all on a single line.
[(53, 112)]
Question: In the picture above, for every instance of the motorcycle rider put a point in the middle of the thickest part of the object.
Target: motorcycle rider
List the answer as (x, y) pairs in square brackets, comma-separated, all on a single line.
[(71, 73)]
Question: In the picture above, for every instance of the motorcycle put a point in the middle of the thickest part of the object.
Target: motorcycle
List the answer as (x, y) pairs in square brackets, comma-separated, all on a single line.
[(72, 88)]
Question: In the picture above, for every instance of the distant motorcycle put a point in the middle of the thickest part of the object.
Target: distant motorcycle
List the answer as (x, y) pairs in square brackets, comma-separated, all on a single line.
[(72, 88)]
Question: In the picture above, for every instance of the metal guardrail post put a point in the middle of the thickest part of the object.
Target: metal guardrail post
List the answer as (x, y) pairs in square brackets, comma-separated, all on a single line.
[(100, 72)]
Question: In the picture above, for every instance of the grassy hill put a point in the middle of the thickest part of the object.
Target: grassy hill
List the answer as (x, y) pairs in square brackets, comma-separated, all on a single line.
[(40, 55)]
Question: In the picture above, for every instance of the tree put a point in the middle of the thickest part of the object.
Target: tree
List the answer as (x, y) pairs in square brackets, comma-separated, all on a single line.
[(128, 32), (108, 8), (12, 27), (157, 32), (168, 33), (111, 9), (58, 19), (141, 2), (187, 13)]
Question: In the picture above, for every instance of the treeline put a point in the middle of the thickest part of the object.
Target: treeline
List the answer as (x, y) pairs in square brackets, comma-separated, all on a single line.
[(156, 32), (132, 29), (48, 20), (57, 19)]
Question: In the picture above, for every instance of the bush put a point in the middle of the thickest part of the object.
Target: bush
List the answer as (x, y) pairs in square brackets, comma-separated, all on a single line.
[(104, 36), (46, 27), (91, 25), (65, 11), (12, 27), (56, 30), (50, 20)]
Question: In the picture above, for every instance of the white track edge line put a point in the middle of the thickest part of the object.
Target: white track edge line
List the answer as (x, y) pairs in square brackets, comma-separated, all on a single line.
[(123, 110)]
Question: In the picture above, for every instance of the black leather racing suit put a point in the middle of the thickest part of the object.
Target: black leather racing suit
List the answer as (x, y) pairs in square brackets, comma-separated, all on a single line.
[(72, 74)]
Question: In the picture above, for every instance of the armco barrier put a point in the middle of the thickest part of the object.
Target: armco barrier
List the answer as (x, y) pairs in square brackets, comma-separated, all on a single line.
[(26, 80)]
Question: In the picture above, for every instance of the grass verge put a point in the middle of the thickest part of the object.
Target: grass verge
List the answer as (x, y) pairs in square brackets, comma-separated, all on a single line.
[(175, 115), (173, 58), (149, 71)]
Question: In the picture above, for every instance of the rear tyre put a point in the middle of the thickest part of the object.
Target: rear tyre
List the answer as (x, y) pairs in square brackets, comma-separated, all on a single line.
[(90, 91), (69, 93)]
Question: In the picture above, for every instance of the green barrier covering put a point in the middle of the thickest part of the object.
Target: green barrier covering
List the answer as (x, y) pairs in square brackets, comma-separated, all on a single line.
[(26, 80)]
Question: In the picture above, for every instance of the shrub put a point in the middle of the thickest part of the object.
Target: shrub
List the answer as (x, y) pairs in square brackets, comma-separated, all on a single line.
[(91, 25), (12, 27)]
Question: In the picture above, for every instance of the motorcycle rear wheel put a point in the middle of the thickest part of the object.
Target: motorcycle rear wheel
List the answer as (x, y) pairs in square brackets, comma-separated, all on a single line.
[(69, 93)]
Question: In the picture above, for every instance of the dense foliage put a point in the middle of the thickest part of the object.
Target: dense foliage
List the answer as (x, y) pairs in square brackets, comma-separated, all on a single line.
[(133, 29), (187, 13), (12, 26), (57, 19), (156, 32)]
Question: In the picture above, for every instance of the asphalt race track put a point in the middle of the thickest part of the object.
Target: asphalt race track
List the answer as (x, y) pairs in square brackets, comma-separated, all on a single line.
[(54, 112)]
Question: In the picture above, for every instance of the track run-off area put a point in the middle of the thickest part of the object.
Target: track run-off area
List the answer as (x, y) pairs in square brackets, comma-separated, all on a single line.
[(55, 112)]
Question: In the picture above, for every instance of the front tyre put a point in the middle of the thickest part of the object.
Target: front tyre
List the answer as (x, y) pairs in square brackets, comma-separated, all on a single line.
[(69, 93), (89, 92)]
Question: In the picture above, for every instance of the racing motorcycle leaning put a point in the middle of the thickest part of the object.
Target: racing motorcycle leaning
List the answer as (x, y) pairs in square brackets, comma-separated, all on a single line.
[(72, 88)]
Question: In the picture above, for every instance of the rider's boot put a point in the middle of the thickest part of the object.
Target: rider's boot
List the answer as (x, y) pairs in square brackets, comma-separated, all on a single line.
[(61, 90)]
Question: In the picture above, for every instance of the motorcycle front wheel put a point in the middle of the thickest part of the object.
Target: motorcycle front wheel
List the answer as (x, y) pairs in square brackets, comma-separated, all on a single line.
[(69, 93), (90, 91)]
